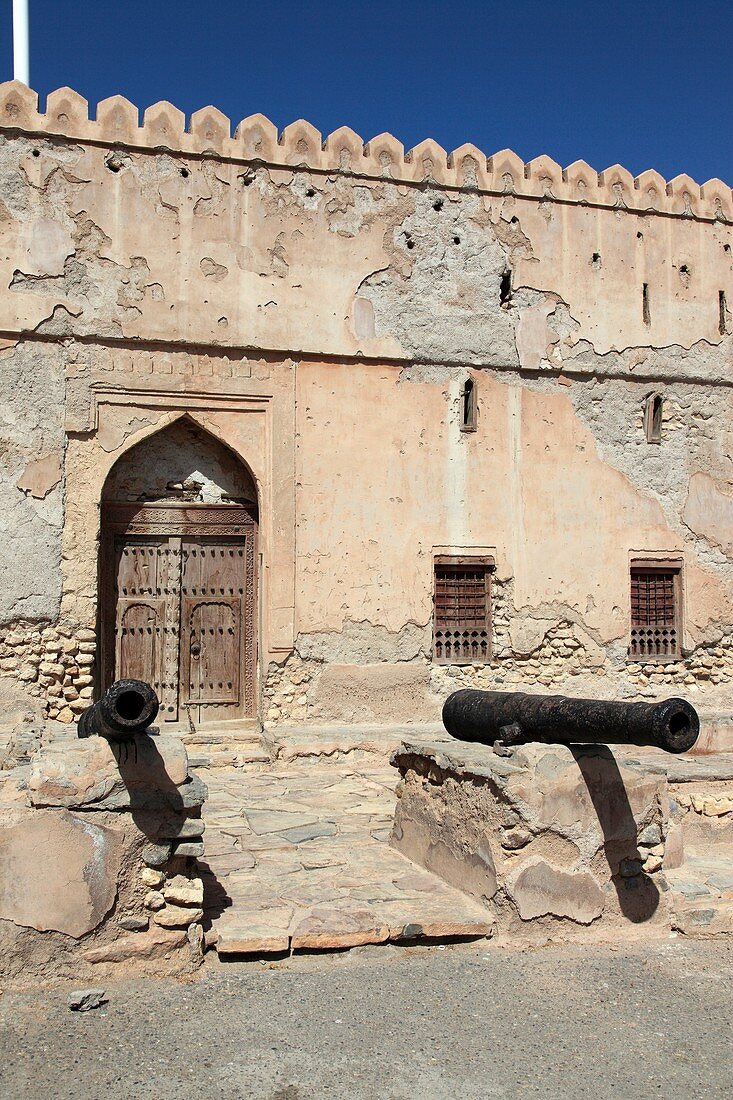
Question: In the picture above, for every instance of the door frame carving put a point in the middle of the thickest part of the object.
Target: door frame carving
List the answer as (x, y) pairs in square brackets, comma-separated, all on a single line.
[(179, 520)]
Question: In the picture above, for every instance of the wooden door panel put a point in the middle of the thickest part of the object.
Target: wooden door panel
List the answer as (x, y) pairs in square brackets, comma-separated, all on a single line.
[(147, 594), (138, 640), (212, 597), (175, 579), (212, 649)]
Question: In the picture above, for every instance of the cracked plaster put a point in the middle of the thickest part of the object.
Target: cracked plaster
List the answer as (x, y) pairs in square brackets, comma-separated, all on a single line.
[(107, 248)]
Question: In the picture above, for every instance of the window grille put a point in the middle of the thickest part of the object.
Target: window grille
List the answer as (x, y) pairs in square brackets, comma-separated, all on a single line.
[(462, 625), (655, 613)]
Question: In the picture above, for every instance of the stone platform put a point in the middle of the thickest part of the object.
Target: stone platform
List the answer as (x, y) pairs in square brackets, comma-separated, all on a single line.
[(297, 858), (550, 839)]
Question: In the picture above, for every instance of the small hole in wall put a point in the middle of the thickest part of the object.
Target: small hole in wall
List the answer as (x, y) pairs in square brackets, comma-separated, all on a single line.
[(309, 192), (438, 204), (185, 173), (505, 288), (36, 153), (456, 240), (726, 248), (640, 236), (113, 166), (514, 220), (409, 241), (596, 260)]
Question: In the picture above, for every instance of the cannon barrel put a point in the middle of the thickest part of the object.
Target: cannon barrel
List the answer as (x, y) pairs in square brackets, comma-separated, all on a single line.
[(127, 708), (515, 718)]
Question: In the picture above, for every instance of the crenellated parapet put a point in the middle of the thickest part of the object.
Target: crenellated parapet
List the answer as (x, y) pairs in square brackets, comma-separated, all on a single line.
[(117, 123)]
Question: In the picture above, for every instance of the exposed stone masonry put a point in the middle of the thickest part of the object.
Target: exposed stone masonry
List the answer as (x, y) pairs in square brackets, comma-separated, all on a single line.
[(55, 663)]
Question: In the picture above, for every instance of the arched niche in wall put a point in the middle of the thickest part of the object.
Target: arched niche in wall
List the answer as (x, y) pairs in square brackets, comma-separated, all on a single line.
[(177, 573)]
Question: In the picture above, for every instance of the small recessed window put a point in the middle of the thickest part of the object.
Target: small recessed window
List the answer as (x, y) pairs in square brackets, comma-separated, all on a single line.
[(653, 412), (656, 601), (722, 313), (462, 610), (505, 288), (646, 312), (468, 406)]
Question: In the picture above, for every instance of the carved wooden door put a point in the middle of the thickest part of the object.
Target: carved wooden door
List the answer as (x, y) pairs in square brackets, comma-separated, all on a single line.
[(178, 606), (212, 619)]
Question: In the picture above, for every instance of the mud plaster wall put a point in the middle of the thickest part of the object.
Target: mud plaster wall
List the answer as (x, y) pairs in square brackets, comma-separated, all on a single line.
[(348, 309)]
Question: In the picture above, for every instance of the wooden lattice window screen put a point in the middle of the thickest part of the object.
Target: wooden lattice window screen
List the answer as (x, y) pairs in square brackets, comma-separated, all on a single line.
[(462, 624), (655, 613)]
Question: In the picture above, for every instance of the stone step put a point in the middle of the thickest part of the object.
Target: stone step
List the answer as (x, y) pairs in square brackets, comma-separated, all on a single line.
[(243, 930), (221, 737), (235, 755), (320, 743), (701, 894)]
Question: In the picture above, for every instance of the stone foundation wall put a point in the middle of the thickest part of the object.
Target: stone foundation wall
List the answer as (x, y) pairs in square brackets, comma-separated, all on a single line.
[(566, 660), (551, 840), (52, 663), (98, 860)]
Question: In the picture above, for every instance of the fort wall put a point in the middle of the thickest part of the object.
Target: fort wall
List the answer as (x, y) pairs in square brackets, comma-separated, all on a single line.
[(318, 306)]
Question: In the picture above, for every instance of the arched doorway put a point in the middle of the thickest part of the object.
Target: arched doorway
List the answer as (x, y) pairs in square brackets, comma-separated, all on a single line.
[(177, 574)]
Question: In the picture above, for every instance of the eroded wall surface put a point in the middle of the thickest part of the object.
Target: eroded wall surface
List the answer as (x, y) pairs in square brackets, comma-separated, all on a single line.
[(317, 307)]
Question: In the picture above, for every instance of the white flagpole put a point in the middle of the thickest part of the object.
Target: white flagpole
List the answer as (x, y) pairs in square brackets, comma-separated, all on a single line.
[(20, 42)]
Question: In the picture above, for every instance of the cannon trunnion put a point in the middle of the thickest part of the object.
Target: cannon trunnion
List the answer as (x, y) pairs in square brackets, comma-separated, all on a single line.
[(516, 718)]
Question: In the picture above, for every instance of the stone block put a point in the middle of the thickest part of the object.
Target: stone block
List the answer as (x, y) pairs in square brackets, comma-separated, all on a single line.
[(184, 891), (189, 848), (134, 924), (154, 900), (58, 871), (84, 1000), (154, 944), (542, 889), (151, 877), (538, 834), (89, 772), (255, 939), (156, 855), (177, 916), (337, 929)]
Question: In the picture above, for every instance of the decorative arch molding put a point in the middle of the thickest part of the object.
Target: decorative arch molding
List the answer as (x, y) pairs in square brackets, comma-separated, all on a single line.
[(139, 436), (256, 428)]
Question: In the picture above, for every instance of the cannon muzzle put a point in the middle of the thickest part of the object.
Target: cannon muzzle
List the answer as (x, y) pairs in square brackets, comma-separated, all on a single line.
[(515, 718), (127, 708)]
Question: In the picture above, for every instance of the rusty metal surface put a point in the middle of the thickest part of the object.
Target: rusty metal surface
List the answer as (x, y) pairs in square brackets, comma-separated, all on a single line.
[(515, 718)]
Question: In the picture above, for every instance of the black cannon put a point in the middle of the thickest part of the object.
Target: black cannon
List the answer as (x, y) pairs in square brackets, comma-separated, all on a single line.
[(515, 718), (127, 708)]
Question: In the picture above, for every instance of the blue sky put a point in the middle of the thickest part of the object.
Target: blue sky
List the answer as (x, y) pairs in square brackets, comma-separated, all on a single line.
[(648, 85)]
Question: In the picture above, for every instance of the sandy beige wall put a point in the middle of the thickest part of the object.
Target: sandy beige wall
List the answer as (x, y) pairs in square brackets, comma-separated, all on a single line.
[(386, 478), (321, 318)]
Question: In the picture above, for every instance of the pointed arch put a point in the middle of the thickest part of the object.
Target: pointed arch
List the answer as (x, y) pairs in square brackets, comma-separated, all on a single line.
[(179, 512)]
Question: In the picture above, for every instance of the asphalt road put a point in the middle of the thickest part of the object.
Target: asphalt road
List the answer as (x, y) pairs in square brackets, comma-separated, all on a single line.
[(466, 1021)]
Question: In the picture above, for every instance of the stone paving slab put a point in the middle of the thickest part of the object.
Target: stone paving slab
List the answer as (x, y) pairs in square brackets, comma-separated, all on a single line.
[(702, 893), (297, 859)]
